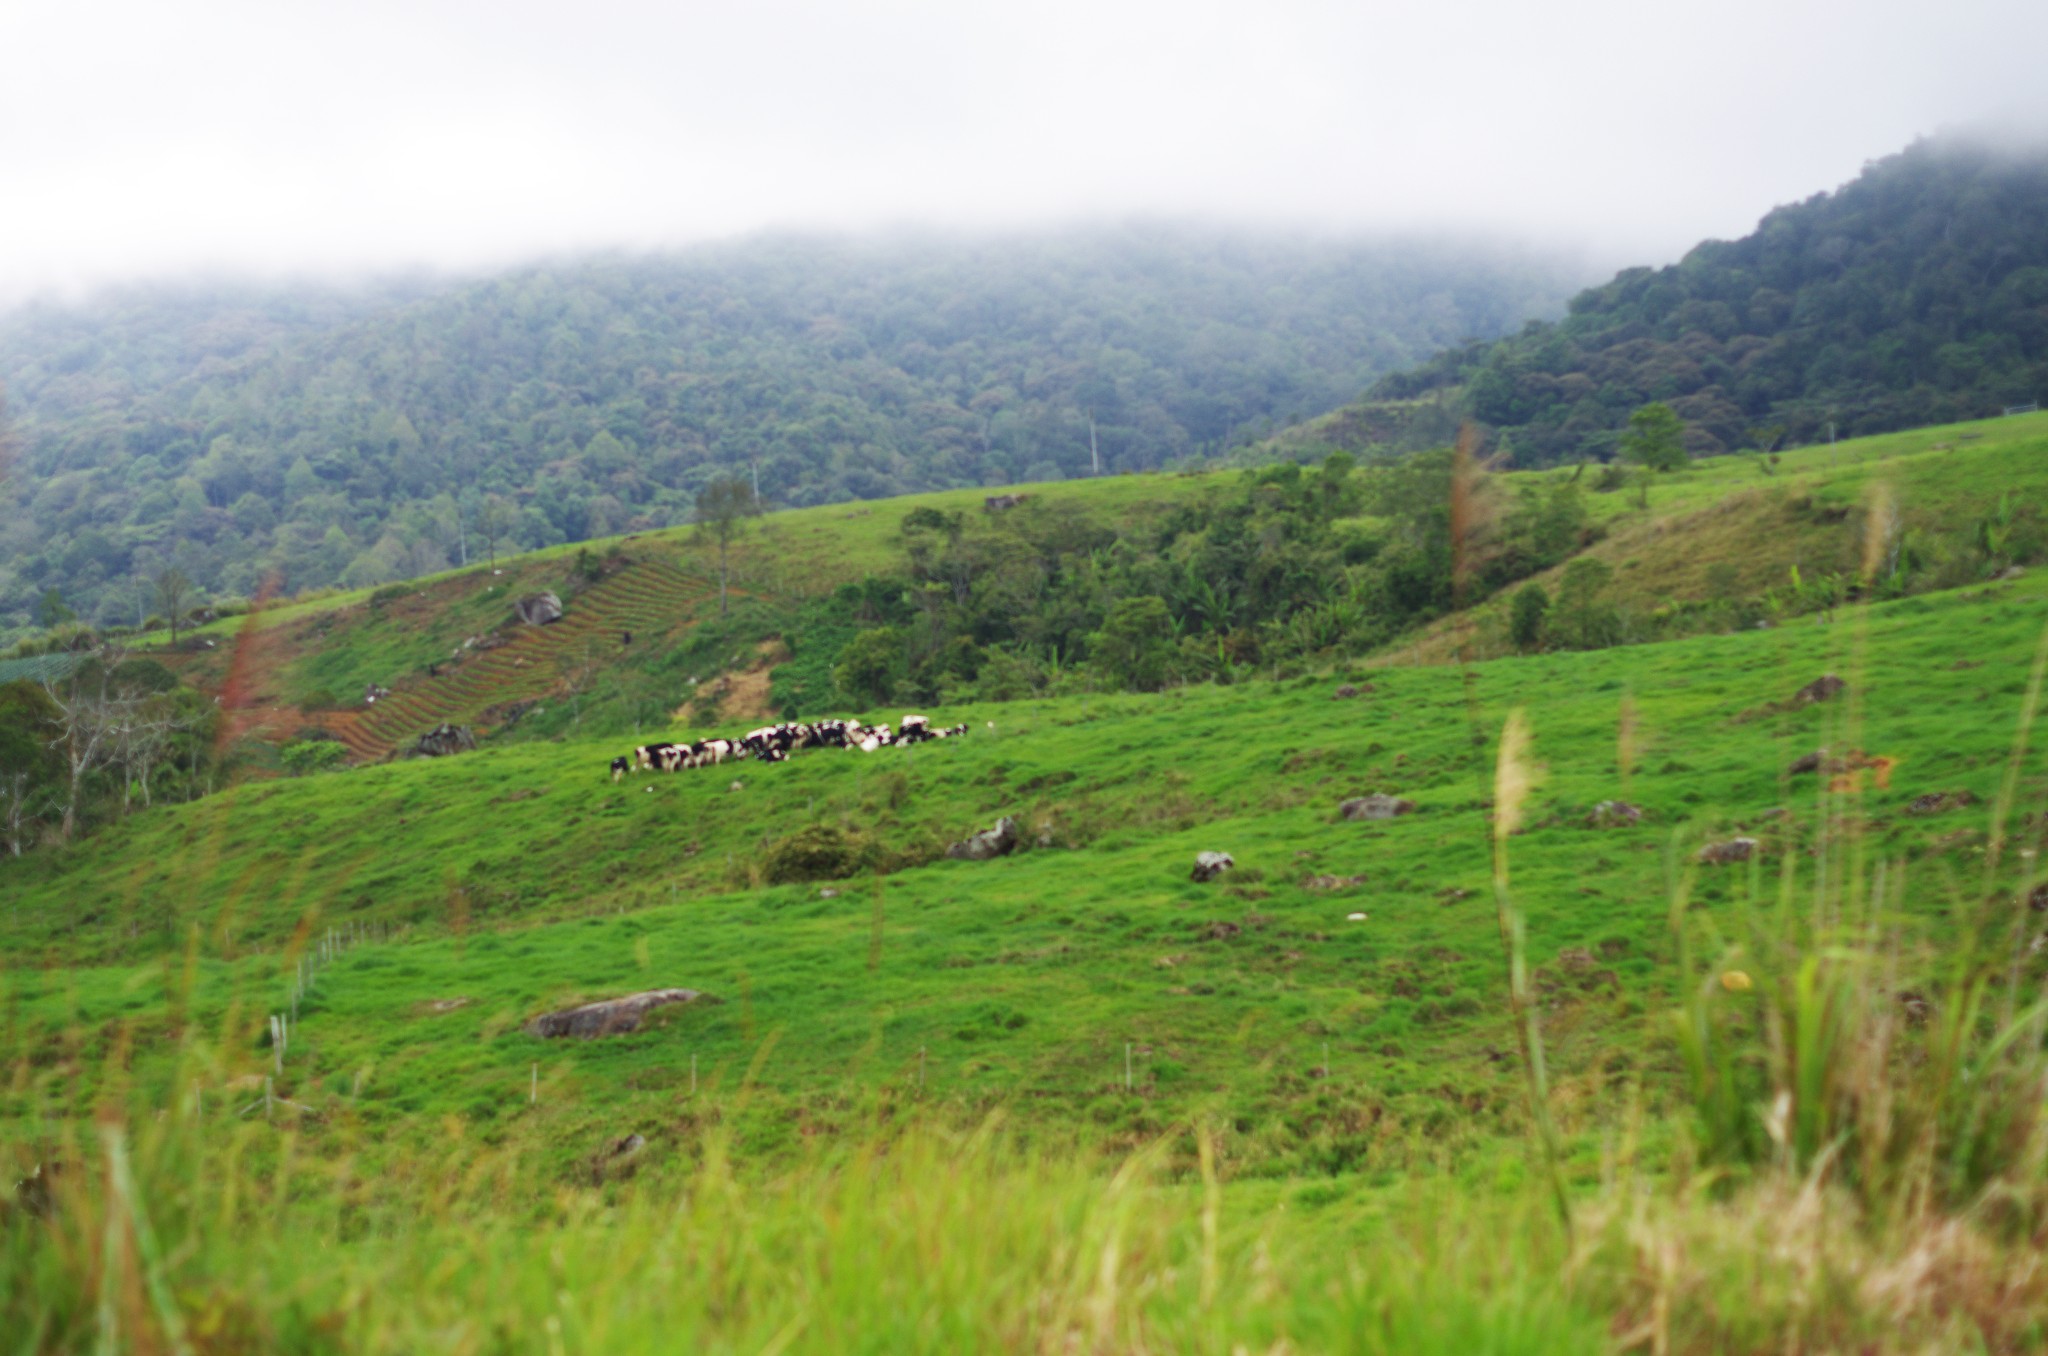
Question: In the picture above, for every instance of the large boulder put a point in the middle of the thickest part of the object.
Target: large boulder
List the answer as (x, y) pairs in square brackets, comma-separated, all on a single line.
[(1616, 814), (1729, 852), (611, 1017), (444, 740), (999, 841), (1819, 690), (1376, 806), (539, 609)]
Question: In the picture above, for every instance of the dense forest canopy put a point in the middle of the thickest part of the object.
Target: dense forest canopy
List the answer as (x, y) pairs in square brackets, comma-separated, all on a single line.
[(317, 437), (1916, 294)]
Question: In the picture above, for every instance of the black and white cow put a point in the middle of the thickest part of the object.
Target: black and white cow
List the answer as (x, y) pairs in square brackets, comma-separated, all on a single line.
[(620, 766)]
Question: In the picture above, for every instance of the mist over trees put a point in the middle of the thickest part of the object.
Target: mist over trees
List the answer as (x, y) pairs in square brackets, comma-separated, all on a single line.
[(1916, 294), (315, 436)]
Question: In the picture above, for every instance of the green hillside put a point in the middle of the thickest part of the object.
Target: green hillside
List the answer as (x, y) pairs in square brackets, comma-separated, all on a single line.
[(1072, 1098), (316, 437), (1915, 294)]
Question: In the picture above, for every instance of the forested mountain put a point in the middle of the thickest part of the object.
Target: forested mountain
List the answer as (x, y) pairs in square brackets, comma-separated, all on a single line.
[(1916, 294), (323, 437)]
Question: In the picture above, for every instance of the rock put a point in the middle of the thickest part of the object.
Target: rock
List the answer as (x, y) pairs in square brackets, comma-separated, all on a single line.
[(1210, 865), (617, 1159), (1616, 814), (611, 1017), (828, 893), (539, 609), (737, 786), (1376, 806), (1733, 850), (1939, 802), (1807, 762), (444, 741), (1819, 690), (1354, 918), (998, 841)]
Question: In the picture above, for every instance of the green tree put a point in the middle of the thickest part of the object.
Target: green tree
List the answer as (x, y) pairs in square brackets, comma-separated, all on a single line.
[(1134, 648), (52, 611), (1655, 438), (173, 593), (495, 518), (1526, 618), (1581, 618), (871, 666), (31, 769), (723, 507)]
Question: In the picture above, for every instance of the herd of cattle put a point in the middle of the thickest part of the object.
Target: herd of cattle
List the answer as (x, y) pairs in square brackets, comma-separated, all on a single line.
[(773, 743)]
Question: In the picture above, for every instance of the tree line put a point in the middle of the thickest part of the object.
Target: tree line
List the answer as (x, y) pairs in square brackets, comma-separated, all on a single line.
[(96, 740), (313, 438), (1916, 294)]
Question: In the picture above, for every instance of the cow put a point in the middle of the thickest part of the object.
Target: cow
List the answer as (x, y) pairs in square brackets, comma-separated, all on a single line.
[(648, 756)]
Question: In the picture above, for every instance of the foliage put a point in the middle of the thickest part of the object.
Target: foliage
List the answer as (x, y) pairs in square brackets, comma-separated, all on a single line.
[(1916, 294), (1270, 566), (320, 436), (1655, 438), (1525, 622), (304, 757)]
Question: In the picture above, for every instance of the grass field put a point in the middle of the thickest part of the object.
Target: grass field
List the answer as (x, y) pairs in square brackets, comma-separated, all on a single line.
[(1071, 1099)]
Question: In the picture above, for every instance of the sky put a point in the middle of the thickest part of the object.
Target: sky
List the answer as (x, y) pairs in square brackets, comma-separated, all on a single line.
[(140, 139)]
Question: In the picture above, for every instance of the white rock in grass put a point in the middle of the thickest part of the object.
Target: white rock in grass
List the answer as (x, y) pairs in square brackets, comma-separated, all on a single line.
[(1355, 917)]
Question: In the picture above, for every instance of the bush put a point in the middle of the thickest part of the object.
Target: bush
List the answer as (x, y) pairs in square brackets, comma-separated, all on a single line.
[(1525, 623), (304, 757), (818, 852)]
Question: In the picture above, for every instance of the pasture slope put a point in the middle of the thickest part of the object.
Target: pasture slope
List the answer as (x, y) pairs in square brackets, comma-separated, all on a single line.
[(1071, 1099)]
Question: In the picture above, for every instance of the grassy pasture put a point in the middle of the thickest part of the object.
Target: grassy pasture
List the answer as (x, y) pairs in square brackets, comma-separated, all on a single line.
[(1071, 1099)]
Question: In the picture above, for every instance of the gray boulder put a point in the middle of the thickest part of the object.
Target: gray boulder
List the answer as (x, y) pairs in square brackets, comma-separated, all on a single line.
[(1616, 814), (1729, 852), (538, 610), (611, 1017), (444, 740), (1819, 690), (999, 841), (1376, 806)]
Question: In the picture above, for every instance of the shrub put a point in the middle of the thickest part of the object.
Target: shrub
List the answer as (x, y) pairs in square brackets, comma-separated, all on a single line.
[(304, 757), (819, 852), (1525, 623)]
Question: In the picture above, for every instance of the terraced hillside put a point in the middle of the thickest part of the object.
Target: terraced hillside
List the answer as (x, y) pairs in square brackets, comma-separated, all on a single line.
[(650, 597)]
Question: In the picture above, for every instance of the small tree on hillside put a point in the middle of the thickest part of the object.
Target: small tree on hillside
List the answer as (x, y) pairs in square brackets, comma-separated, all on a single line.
[(495, 519), (1525, 620), (1134, 648), (172, 591), (1655, 438), (723, 507)]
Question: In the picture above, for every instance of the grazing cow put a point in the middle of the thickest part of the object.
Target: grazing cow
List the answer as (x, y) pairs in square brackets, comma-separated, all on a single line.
[(620, 766), (649, 755)]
